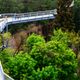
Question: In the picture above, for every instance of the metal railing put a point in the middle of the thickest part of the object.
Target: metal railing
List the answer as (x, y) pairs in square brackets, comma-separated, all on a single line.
[(14, 18), (29, 14)]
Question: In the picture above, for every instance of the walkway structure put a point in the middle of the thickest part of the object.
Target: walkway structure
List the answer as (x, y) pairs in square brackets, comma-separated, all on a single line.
[(14, 18)]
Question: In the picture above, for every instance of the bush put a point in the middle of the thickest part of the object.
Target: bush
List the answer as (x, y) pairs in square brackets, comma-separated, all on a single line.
[(52, 60)]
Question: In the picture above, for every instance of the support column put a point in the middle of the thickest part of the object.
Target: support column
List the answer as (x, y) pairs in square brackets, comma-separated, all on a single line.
[(7, 28), (6, 44)]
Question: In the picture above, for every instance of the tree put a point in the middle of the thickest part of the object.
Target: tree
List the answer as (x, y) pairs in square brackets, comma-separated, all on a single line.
[(64, 17), (63, 58), (21, 66), (77, 15)]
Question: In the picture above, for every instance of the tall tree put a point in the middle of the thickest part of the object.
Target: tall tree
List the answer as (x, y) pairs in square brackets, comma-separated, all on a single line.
[(64, 17)]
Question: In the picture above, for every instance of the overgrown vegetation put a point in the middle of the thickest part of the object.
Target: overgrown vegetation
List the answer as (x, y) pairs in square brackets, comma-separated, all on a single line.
[(52, 55)]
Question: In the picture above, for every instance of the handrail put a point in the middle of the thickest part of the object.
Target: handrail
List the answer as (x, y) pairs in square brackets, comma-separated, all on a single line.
[(28, 13)]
